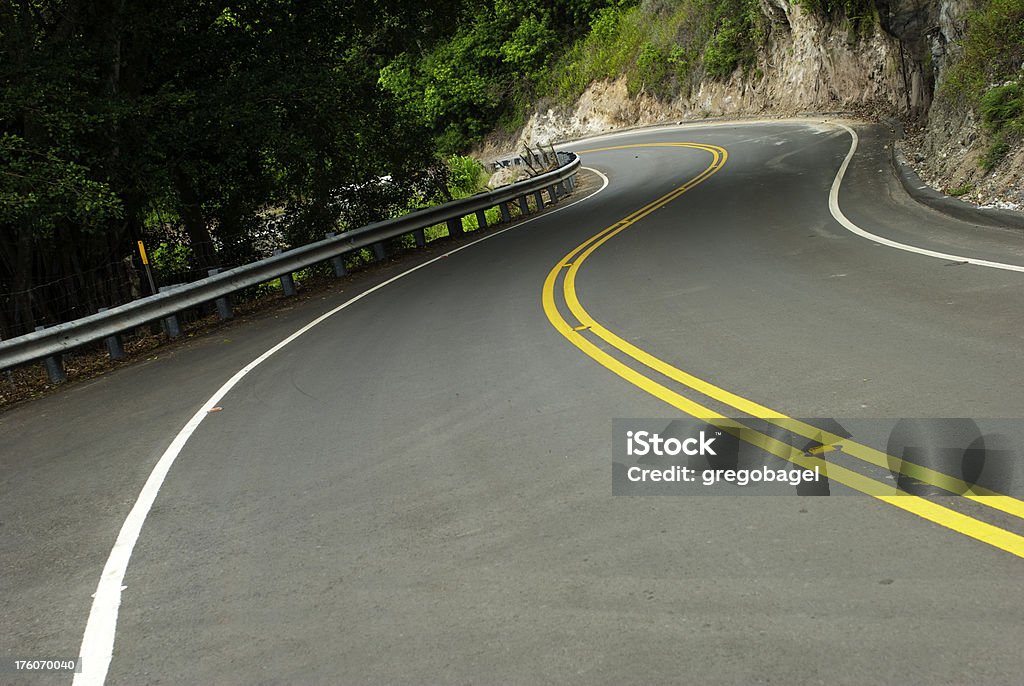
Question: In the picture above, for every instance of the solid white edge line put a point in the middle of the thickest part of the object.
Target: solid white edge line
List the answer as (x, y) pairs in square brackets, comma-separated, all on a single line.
[(100, 630), (833, 206)]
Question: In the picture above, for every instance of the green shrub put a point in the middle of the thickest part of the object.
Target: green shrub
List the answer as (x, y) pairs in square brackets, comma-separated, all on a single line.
[(996, 151), (170, 261), (466, 176), (725, 51), (605, 26), (530, 46), (987, 78), (1002, 114), (992, 52), (1002, 106), (960, 190), (652, 71), (609, 50)]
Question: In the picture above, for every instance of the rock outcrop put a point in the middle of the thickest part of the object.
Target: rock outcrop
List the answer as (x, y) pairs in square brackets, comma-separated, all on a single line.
[(887, 65)]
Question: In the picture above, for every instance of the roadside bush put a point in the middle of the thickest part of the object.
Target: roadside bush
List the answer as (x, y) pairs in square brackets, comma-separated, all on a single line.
[(172, 262), (609, 50), (1002, 114), (466, 176), (734, 29), (652, 71), (1003, 107), (992, 52), (725, 51), (988, 76)]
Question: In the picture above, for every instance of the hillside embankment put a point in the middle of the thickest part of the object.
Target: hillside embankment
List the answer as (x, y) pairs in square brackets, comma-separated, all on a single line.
[(947, 74)]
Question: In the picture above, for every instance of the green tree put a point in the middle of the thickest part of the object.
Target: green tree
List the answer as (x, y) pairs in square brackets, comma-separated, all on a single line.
[(209, 112)]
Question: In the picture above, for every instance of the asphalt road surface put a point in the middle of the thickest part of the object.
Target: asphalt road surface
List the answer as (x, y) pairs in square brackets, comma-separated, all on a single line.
[(418, 488)]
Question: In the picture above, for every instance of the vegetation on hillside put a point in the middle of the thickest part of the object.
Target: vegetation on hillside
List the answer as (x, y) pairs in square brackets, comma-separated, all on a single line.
[(664, 48), (989, 77), (506, 55), (192, 121)]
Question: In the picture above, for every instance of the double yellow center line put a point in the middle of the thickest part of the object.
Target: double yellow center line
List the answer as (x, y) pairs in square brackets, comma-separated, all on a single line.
[(580, 334)]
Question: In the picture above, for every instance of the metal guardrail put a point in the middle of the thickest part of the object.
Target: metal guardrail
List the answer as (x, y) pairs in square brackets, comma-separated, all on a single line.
[(540, 159), (53, 341)]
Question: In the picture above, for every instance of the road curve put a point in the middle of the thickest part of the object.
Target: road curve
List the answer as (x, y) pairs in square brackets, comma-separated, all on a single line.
[(417, 490)]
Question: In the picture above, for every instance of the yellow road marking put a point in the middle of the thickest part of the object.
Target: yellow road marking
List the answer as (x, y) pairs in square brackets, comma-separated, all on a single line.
[(945, 517), (865, 453)]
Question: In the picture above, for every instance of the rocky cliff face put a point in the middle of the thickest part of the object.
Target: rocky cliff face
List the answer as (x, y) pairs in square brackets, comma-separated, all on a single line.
[(807, 64), (887, 65), (947, 146)]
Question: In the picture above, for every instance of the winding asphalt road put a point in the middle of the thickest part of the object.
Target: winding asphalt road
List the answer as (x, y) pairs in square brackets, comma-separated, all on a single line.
[(417, 489)]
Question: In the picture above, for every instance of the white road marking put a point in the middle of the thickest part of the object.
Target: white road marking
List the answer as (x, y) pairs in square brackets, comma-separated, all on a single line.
[(100, 630), (820, 126), (833, 206)]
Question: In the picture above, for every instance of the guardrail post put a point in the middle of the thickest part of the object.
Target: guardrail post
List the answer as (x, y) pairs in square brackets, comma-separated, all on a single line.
[(481, 219), (287, 281), (114, 343), (54, 366), (524, 207), (539, 199), (338, 261), (572, 183), (553, 194), (561, 189), (172, 325), (506, 214), (421, 238), (222, 303), (379, 253), (455, 226)]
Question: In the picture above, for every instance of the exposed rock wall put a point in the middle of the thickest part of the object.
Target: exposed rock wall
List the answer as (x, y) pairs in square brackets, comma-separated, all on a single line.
[(887, 65), (947, 150), (807, 64)]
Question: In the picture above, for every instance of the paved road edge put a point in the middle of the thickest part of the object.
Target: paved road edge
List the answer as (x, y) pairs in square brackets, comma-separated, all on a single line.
[(924, 194)]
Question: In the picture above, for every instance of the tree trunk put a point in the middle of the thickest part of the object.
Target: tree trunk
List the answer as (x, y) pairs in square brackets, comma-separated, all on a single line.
[(21, 282), (196, 227)]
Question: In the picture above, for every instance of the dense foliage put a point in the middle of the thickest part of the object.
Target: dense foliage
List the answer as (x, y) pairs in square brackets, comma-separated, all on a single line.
[(505, 55), (120, 121), (490, 67)]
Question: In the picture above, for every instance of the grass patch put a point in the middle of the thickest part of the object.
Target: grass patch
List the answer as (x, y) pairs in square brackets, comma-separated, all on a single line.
[(960, 190), (1002, 107), (997, 149), (1002, 114)]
